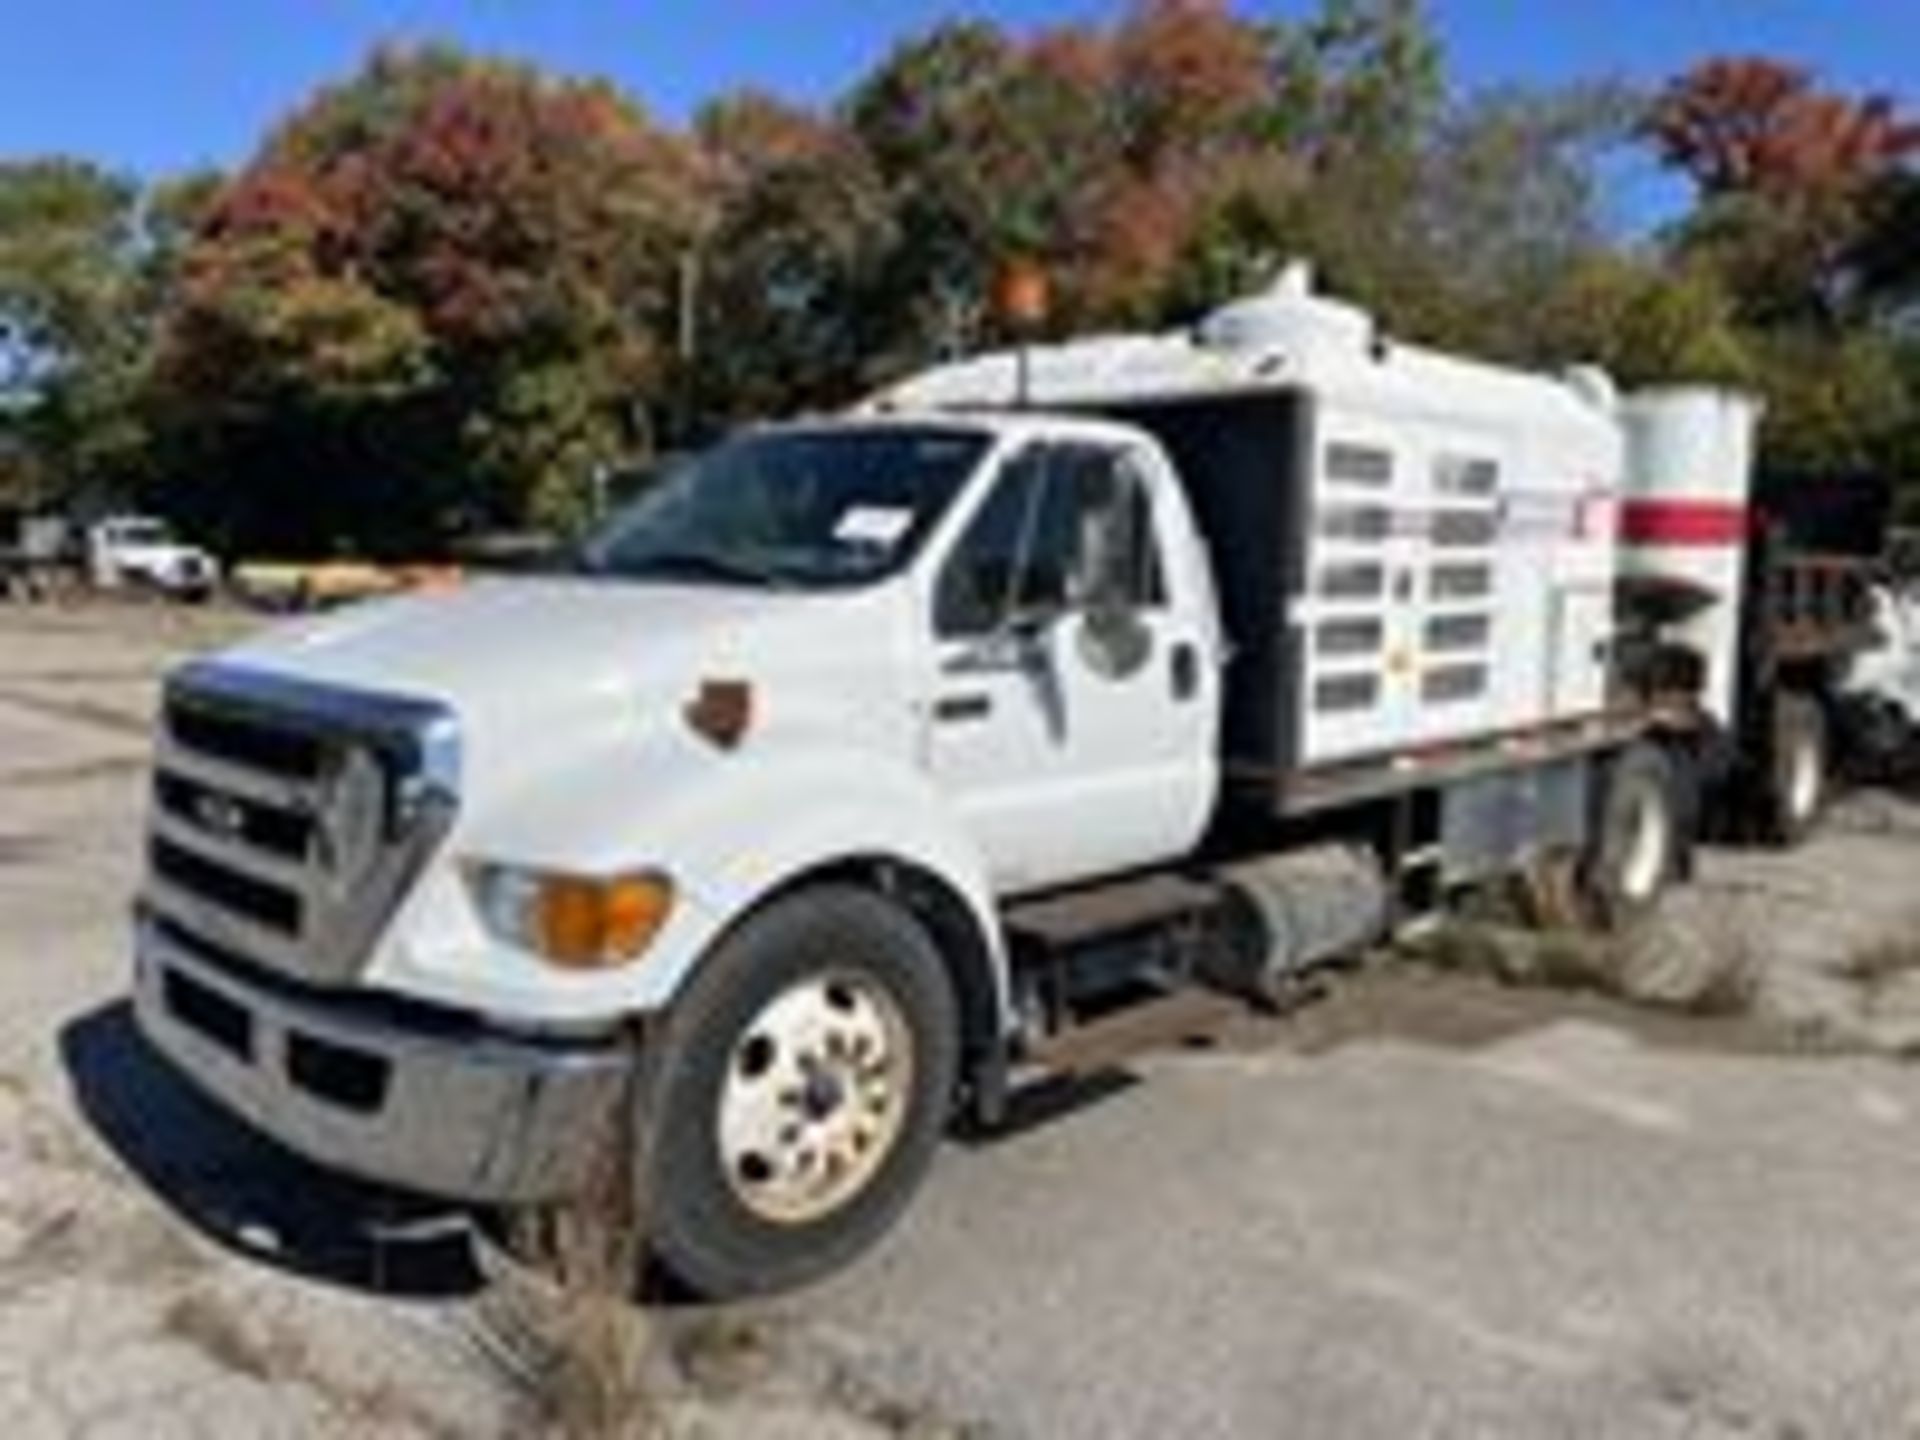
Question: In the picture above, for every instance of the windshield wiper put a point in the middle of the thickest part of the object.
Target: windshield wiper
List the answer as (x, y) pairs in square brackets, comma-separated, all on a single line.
[(708, 564)]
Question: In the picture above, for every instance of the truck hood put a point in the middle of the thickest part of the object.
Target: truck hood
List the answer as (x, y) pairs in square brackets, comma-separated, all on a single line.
[(532, 663)]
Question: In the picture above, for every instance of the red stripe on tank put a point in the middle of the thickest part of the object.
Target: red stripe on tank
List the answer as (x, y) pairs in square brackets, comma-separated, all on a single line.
[(1683, 522)]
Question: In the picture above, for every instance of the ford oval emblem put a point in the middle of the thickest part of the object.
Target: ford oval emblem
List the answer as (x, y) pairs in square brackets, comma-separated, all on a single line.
[(221, 816)]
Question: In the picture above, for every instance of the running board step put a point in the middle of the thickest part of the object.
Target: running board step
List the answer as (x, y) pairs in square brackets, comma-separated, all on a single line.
[(1063, 921), (1179, 1017)]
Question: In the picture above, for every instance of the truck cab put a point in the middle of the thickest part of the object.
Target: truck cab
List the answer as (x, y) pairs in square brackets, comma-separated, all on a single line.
[(416, 867), (1071, 659)]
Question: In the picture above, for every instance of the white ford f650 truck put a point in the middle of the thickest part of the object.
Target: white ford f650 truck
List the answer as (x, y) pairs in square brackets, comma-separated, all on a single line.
[(871, 764)]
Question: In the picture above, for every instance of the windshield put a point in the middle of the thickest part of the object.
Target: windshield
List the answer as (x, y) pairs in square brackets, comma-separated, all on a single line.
[(793, 508), (140, 532)]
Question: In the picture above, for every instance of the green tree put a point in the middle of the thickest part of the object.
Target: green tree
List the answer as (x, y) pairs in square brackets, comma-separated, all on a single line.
[(927, 115), (792, 283), (1804, 198), (991, 151), (1183, 215), (1358, 82), (1358, 89), (66, 228), (1512, 201), (1107, 154), (71, 343), (1835, 404), (432, 301), (1789, 176), (1646, 321)]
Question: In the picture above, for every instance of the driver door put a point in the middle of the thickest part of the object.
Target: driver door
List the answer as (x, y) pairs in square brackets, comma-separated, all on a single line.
[(1071, 699)]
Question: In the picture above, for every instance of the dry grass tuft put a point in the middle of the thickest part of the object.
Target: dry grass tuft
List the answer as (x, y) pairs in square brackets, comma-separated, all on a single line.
[(274, 1353), (1874, 966), (1713, 966), (564, 1327), (723, 1355), (1710, 966), (1512, 955), (900, 1419), (1458, 945), (207, 1323)]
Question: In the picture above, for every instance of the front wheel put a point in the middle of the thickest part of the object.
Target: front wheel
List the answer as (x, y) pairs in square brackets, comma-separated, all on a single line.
[(801, 1089)]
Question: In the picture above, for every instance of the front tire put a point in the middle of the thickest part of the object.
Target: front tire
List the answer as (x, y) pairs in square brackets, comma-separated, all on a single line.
[(800, 1090)]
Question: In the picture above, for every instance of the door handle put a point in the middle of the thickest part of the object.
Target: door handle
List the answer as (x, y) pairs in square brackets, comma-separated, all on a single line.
[(956, 709), (1184, 665)]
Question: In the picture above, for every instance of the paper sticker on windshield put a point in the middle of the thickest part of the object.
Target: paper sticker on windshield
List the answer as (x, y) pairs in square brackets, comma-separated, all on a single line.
[(873, 525)]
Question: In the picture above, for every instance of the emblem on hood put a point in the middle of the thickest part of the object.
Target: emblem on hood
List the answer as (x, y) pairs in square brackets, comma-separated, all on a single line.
[(722, 713)]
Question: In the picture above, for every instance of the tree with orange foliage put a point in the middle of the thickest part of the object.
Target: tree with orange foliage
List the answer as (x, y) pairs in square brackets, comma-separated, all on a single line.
[(792, 274), (1098, 152), (1750, 124), (1790, 177), (1191, 78), (1801, 211), (438, 287)]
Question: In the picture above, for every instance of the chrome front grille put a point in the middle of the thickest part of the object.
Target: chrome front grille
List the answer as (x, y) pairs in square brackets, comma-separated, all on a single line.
[(288, 818)]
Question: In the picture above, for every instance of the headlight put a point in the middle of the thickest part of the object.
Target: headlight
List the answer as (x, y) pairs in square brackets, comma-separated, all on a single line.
[(575, 922)]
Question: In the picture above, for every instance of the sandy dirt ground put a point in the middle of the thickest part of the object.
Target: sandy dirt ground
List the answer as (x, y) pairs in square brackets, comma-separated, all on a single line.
[(1431, 1204)]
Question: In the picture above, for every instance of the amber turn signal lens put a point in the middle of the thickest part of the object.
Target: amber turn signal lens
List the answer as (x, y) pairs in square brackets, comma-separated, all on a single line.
[(588, 924)]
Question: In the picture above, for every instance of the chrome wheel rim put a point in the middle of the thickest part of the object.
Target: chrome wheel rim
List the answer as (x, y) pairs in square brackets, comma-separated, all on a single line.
[(815, 1098)]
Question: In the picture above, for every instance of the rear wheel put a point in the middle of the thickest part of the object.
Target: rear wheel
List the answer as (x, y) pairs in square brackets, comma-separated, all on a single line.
[(799, 1094), (1637, 842), (1796, 786)]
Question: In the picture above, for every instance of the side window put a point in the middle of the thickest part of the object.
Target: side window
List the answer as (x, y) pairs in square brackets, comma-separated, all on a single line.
[(982, 581), (1065, 525)]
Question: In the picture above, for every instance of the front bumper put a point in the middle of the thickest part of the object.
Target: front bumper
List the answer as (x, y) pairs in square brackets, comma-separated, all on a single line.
[(386, 1090)]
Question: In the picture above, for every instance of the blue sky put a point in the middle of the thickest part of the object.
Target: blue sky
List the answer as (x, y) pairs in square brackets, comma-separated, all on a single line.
[(156, 85)]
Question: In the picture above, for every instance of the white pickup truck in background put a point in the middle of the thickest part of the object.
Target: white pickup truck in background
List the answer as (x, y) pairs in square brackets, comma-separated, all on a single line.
[(874, 764), (141, 552), (1882, 684)]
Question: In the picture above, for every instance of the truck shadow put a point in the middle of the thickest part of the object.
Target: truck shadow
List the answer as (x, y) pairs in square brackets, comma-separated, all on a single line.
[(249, 1195)]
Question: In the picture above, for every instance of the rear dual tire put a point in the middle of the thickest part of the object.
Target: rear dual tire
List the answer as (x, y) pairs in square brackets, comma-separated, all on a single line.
[(1638, 842), (1795, 787)]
